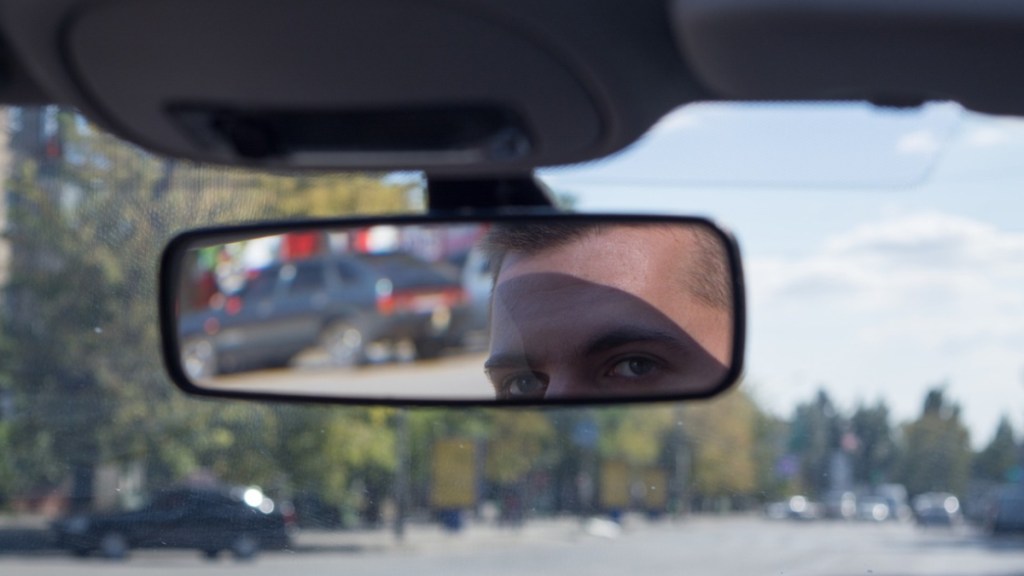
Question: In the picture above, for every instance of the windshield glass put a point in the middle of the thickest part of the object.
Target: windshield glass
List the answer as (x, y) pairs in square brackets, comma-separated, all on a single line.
[(876, 429)]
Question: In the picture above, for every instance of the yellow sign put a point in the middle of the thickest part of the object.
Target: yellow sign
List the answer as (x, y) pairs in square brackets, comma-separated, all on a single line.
[(655, 489), (614, 485), (453, 482)]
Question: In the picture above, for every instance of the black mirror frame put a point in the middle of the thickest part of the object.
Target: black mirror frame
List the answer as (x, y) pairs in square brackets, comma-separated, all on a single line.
[(172, 257)]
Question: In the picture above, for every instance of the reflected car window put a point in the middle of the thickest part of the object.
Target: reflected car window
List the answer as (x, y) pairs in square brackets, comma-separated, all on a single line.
[(309, 277)]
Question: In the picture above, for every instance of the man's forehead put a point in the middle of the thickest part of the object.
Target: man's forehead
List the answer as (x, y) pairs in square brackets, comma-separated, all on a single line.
[(617, 256), (556, 315)]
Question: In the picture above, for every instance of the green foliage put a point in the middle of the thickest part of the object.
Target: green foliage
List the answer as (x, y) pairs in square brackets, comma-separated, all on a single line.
[(814, 435), (82, 355), (634, 435), (996, 461), (937, 449), (722, 431), (877, 451), (8, 476), (770, 435), (323, 450), (518, 443)]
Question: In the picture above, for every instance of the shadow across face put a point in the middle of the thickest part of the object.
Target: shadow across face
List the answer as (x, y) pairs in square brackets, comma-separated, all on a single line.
[(558, 336)]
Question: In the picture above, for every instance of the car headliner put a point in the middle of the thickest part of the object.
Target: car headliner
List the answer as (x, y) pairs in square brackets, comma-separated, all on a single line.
[(585, 79)]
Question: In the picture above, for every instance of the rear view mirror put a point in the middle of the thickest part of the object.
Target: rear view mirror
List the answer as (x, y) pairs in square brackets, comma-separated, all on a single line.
[(532, 309)]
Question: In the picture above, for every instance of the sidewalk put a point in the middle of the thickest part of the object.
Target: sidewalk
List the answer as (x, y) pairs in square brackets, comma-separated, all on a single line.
[(420, 536)]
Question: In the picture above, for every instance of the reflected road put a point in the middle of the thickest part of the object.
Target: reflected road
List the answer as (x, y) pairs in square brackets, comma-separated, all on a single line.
[(451, 377)]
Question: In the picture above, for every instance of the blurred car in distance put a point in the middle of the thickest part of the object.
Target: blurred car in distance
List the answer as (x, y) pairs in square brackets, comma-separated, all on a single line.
[(937, 509), (873, 509), (841, 505), (1006, 514), (795, 508), (311, 511), (242, 521)]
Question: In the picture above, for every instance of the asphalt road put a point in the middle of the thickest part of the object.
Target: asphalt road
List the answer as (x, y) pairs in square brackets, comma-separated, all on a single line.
[(698, 545), (452, 377)]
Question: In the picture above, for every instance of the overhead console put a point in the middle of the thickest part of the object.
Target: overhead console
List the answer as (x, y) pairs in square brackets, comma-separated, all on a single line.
[(386, 84)]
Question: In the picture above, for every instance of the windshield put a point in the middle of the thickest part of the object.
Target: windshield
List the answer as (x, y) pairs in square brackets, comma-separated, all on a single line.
[(877, 428)]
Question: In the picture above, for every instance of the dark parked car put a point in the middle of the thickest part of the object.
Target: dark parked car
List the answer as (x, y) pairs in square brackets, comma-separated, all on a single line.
[(1006, 514), (204, 519), (346, 304), (937, 509), (873, 509)]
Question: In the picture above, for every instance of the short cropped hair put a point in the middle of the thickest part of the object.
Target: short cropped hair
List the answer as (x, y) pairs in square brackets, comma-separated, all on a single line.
[(708, 278)]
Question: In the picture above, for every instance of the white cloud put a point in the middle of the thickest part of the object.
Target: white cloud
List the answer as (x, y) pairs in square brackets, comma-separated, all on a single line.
[(918, 142), (927, 252), (889, 308), (986, 137)]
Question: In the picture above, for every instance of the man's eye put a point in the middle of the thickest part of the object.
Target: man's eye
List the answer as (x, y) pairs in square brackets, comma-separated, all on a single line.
[(525, 385), (633, 367)]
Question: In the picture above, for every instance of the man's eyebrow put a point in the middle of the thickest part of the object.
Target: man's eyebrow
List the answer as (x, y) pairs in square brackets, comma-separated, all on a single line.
[(507, 361), (630, 335)]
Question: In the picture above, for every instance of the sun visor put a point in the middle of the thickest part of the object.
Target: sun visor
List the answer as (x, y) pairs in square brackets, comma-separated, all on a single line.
[(897, 52), (344, 84)]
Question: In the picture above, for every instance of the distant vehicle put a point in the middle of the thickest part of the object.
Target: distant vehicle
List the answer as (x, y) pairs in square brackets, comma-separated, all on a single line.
[(209, 520), (311, 511), (1006, 514), (796, 508), (937, 509), (895, 496), (873, 509), (840, 505), (347, 305)]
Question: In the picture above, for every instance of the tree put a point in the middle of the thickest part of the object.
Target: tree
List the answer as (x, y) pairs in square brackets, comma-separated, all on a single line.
[(875, 453), (937, 453), (88, 221), (815, 435), (46, 311), (634, 435), (518, 442), (722, 433), (327, 451), (770, 436), (997, 460)]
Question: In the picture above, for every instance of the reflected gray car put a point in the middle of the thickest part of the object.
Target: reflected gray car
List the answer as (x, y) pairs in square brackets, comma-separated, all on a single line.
[(341, 304)]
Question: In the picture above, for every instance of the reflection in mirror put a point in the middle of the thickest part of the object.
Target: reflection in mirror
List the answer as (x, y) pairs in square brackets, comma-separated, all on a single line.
[(516, 310)]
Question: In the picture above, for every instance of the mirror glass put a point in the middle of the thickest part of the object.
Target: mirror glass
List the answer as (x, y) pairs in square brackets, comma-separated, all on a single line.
[(535, 310)]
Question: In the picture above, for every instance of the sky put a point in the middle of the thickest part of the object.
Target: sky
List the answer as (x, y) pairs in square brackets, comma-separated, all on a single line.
[(883, 249)]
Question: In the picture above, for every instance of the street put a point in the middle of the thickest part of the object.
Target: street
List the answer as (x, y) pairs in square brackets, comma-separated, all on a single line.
[(458, 377), (568, 547)]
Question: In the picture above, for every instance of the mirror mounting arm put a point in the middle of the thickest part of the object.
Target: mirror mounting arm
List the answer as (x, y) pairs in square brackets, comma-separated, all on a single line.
[(486, 194)]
